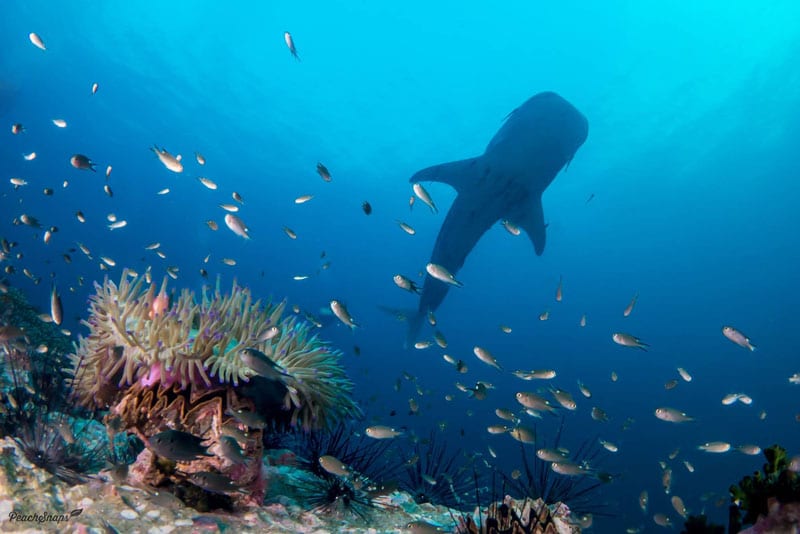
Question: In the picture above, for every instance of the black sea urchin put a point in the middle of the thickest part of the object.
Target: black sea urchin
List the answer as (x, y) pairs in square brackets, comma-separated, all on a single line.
[(582, 493), (432, 474)]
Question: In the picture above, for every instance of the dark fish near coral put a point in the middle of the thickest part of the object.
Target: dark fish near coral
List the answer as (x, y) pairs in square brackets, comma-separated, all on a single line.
[(230, 450), (177, 445), (423, 527), (79, 161), (261, 364), (214, 482), (537, 140), (10, 332), (248, 418)]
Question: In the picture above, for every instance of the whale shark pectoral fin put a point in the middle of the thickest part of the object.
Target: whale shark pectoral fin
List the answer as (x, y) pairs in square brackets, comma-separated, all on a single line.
[(532, 221), (458, 174)]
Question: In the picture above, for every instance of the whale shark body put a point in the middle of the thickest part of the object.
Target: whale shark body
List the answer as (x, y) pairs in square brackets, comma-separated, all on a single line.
[(506, 182)]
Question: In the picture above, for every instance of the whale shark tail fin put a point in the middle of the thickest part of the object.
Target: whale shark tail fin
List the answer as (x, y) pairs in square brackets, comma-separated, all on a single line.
[(458, 174)]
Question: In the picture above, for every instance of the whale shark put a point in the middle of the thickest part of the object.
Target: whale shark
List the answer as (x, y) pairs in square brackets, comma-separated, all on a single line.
[(506, 182)]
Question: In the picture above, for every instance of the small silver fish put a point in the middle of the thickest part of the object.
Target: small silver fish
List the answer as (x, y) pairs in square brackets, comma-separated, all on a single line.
[(424, 196), (715, 446), (172, 163), (79, 161), (684, 374), (237, 225), (737, 337), (629, 309), (209, 183), (405, 283), (523, 434), (511, 228), (334, 466), (627, 340), (262, 365), (287, 37), (340, 311), (486, 357), (56, 311), (671, 415), (382, 432), (442, 274), (564, 398), (406, 228), (37, 41)]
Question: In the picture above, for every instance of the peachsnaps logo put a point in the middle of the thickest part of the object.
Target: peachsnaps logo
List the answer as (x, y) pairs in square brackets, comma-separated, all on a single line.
[(44, 518)]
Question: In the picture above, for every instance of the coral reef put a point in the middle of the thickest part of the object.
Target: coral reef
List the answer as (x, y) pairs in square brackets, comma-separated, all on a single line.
[(17, 311), (781, 519), (760, 494), (528, 516), (178, 364), (33, 494), (36, 405)]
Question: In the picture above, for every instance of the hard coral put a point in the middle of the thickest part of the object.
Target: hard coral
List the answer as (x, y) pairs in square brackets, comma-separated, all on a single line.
[(776, 481)]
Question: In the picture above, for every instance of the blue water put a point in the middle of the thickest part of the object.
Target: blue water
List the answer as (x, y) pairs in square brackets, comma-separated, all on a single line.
[(694, 117)]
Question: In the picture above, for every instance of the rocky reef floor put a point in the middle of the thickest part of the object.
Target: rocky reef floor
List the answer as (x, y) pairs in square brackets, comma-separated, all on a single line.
[(32, 500)]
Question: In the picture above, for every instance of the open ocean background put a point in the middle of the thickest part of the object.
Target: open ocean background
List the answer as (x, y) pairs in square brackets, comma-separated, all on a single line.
[(694, 121)]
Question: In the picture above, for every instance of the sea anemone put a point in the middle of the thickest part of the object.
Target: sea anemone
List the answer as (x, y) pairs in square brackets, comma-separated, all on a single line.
[(195, 346)]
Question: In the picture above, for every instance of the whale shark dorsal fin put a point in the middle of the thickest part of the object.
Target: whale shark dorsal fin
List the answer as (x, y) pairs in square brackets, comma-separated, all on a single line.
[(532, 221), (457, 174)]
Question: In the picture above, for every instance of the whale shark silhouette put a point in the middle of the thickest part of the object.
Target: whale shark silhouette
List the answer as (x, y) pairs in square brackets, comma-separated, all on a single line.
[(536, 141)]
